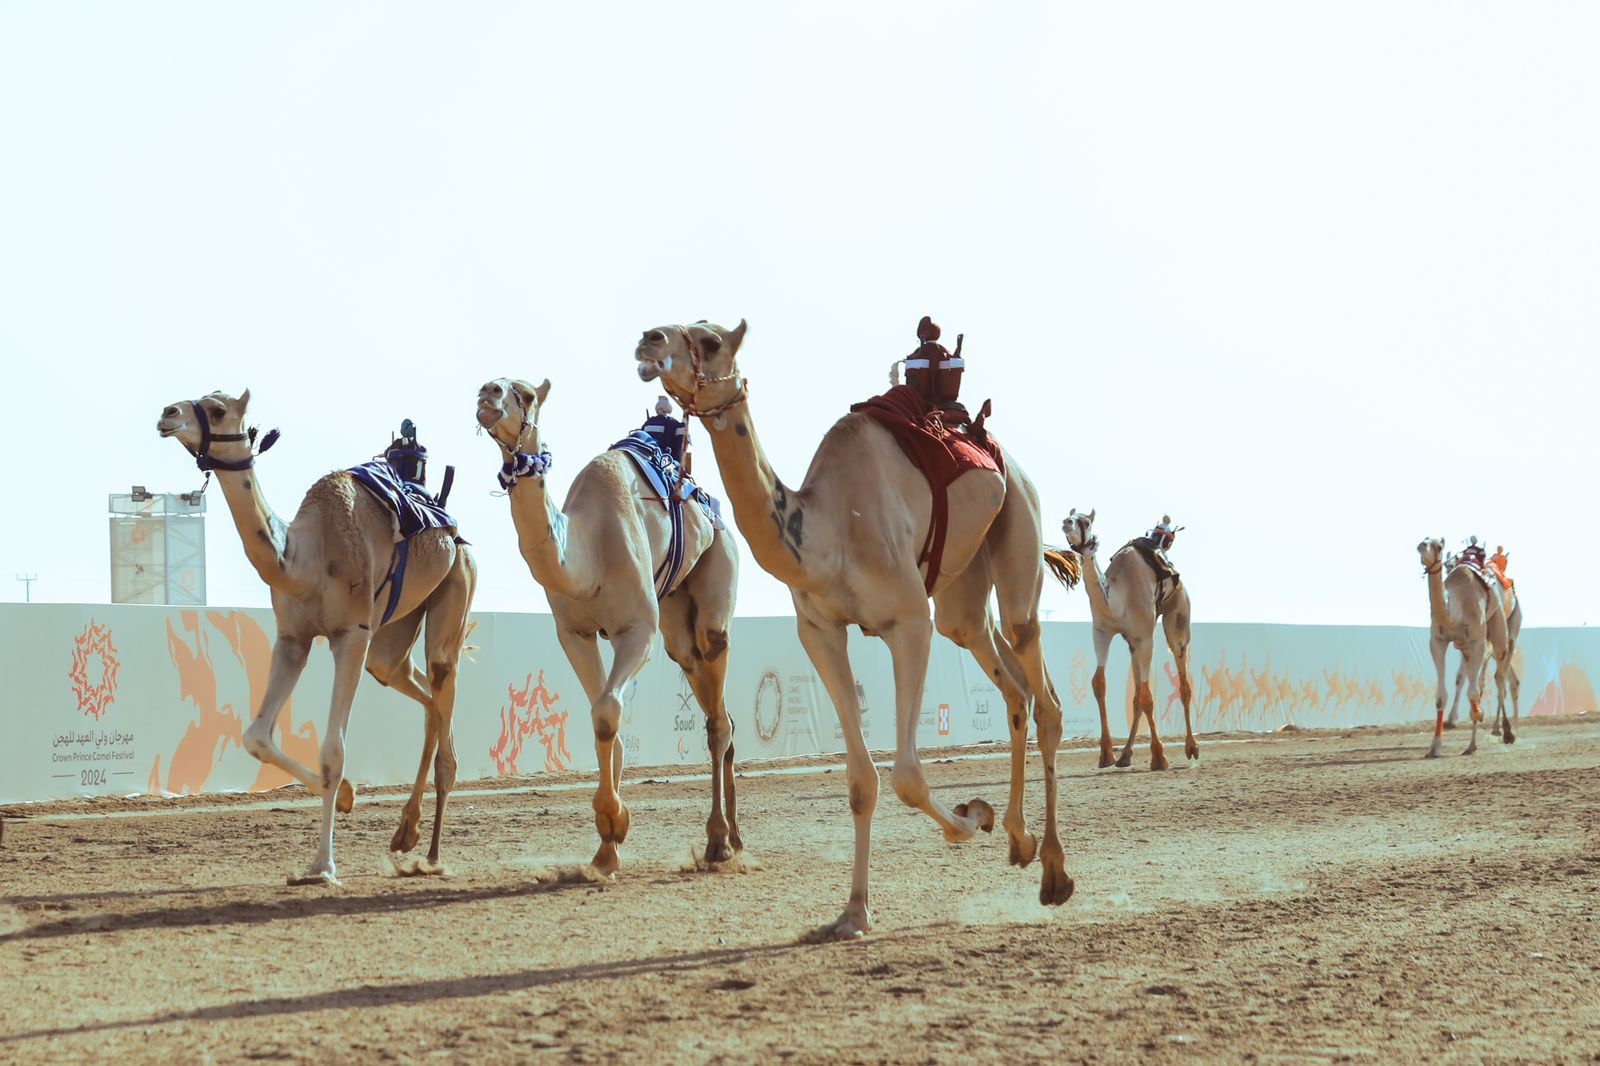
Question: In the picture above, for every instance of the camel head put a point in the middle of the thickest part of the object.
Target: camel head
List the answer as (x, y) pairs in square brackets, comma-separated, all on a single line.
[(695, 364), (1432, 552), (1079, 529), (211, 427), (509, 409)]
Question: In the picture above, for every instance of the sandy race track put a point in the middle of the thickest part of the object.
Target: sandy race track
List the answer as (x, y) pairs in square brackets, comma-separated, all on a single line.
[(1309, 897)]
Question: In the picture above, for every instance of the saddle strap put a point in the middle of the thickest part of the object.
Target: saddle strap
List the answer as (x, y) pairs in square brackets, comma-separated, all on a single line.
[(938, 526), (395, 579)]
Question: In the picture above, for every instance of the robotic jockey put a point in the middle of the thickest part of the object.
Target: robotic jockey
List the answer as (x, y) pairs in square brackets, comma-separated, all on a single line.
[(669, 433)]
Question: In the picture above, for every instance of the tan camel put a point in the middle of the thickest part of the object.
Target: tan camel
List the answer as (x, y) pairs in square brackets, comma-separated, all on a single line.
[(1466, 613), (326, 569), (1126, 602), (597, 557), (847, 544)]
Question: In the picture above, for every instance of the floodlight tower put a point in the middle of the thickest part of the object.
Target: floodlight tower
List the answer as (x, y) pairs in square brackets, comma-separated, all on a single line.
[(158, 547)]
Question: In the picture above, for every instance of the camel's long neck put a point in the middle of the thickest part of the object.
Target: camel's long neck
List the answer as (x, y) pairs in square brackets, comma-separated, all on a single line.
[(1437, 607), (771, 516), (263, 533), (1095, 585), (542, 537)]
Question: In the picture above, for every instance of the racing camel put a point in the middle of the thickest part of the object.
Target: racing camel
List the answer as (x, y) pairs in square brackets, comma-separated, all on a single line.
[(612, 567), (847, 543), (333, 573)]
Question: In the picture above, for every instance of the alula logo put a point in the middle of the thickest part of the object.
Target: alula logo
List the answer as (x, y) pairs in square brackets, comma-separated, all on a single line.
[(93, 673)]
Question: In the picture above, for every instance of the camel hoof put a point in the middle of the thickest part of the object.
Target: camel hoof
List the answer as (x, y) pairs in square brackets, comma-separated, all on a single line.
[(716, 851), (1106, 758), (606, 862), (1126, 760), (405, 838), (1449, 723), (980, 812), (346, 800), (1433, 752), (1191, 750), (1055, 888), (1023, 851), (1158, 761), (319, 877), (1472, 749), (1508, 738), (848, 926), (406, 866)]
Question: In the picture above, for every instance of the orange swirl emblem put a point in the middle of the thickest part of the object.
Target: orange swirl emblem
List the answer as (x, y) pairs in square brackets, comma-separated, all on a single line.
[(94, 670)]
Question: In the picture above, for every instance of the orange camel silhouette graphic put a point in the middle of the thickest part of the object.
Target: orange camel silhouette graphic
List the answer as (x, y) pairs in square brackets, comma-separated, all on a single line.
[(222, 720)]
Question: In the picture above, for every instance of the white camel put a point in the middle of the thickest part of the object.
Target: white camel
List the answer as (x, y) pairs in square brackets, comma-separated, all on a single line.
[(327, 569), (597, 557), (847, 544), (1125, 603)]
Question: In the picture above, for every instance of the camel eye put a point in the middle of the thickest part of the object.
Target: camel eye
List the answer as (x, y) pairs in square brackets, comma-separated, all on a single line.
[(713, 344)]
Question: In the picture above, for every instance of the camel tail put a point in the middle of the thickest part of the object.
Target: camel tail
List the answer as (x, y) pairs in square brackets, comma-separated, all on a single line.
[(1065, 564)]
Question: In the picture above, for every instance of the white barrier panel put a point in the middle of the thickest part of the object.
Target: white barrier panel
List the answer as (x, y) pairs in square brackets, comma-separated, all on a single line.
[(115, 700)]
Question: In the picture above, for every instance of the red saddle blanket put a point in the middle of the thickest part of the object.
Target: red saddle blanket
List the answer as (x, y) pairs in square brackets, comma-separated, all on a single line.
[(937, 444)]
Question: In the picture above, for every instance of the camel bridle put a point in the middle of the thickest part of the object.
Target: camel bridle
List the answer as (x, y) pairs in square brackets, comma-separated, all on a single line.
[(202, 455), (697, 365)]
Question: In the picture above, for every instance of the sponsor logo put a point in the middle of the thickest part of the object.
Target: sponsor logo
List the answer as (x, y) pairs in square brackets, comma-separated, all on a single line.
[(982, 720), (944, 719), (687, 718), (93, 673)]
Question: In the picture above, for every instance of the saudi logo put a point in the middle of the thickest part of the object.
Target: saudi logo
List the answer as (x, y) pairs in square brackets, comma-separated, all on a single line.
[(94, 670)]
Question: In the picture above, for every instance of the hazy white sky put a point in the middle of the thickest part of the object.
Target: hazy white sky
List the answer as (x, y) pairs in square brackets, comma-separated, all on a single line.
[(1318, 280)]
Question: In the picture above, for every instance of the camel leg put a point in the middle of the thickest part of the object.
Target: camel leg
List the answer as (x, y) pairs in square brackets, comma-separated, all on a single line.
[(447, 632), (961, 613), (288, 661), (694, 627), (630, 650), (1515, 682), (1102, 650), (1475, 692), (909, 640), (1175, 624), (701, 656), (1455, 701), (349, 656), (1144, 703), (828, 649), (1436, 647), (389, 661)]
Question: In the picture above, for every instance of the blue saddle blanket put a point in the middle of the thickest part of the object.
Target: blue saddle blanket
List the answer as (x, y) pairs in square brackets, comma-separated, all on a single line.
[(674, 487), (666, 475), (413, 509)]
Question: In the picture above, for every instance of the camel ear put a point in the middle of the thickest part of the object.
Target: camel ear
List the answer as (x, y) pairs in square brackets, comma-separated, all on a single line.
[(244, 401), (736, 337), (542, 391), (1091, 514)]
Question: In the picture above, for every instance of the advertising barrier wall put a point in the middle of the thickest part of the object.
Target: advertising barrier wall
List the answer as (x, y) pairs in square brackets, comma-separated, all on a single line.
[(119, 699)]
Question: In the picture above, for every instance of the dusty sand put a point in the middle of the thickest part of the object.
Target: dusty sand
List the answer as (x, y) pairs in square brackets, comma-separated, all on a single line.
[(1308, 897)]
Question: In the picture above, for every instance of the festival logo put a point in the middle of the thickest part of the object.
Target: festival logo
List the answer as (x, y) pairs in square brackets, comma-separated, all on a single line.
[(531, 712), (94, 670), (982, 720), (944, 719)]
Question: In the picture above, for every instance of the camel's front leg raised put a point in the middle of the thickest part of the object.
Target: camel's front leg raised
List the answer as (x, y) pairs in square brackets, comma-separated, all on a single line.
[(630, 650), (288, 661), (828, 649), (349, 657)]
